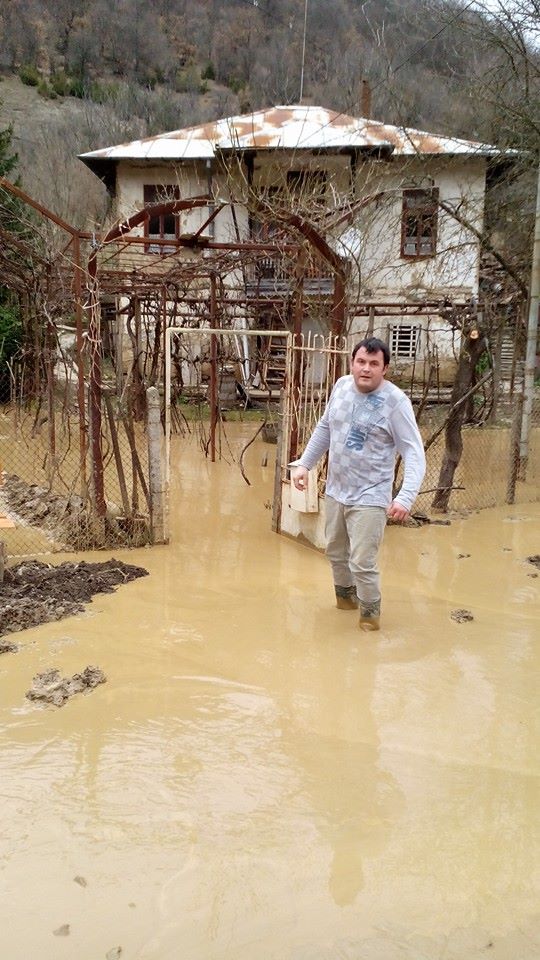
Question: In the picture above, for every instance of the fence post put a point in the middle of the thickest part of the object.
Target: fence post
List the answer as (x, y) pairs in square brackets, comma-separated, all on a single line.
[(95, 394), (214, 399), (278, 486), (78, 284), (514, 465), (155, 467), (532, 341), (496, 383)]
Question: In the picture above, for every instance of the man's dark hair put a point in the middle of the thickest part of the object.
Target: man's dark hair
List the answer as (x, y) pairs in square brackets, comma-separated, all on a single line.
[(373, 345)]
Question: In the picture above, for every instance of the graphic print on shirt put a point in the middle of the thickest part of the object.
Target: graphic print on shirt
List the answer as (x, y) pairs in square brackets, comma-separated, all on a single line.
[(364, 417)]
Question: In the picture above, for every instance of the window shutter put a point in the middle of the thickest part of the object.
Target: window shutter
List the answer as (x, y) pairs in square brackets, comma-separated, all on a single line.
[(419, 222)]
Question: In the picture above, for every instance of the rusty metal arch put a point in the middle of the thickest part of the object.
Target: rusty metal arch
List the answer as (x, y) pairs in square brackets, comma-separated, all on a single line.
[(291, 221), (124, 227)]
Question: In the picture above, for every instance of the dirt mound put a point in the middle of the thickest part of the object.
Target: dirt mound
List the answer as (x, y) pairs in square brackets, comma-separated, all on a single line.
[(51, 687), (36, 505), (65, 519), (7, 647), (34, 592), (461, 616)]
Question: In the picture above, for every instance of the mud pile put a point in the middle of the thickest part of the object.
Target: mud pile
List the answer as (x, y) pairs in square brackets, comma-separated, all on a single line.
[(65, 520), (36, 505), (51, 687), (34, 592)]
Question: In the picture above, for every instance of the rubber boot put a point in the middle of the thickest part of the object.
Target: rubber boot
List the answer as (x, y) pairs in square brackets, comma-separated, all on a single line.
[(370, 616), (346, 598)]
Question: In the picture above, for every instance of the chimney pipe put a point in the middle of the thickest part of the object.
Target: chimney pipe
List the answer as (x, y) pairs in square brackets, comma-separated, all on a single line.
[(365, 100)]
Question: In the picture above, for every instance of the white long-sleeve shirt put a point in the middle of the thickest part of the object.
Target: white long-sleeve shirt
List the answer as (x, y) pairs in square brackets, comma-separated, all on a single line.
[(363, 432)]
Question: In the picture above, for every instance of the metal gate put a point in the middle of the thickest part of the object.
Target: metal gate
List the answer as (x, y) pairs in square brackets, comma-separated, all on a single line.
[(219, 349)]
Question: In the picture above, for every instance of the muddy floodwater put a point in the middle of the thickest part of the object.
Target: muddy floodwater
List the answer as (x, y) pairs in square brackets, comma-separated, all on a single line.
[(258, 780)]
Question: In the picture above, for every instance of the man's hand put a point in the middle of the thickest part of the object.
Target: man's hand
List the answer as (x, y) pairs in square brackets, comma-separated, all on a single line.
[(397, 512), (299, 476)]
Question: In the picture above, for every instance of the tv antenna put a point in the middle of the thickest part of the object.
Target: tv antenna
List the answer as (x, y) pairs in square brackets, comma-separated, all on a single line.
[(303, 51)]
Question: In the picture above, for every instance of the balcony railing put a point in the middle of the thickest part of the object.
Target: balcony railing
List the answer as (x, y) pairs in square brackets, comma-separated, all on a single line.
[(279, 273)]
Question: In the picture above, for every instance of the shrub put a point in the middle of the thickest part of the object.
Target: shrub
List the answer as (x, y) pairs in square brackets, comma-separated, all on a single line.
[(29, 75), (10, 341), (61, 84), (98, 92), (78, 88), (235, 84), (187, 81), (209, 73), (46, 90)]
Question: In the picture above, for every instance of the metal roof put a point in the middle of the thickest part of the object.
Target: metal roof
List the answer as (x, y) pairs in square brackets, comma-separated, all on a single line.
[(297, 127)]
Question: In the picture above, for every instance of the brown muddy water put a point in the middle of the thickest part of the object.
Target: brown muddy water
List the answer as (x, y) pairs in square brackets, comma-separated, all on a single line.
[(257, 780)]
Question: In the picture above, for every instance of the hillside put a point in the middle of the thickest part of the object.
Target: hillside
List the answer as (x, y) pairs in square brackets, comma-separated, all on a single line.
[(80, 75), (47, 136)]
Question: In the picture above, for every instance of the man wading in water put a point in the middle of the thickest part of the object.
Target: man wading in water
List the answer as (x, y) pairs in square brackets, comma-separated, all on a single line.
[(367, 421)]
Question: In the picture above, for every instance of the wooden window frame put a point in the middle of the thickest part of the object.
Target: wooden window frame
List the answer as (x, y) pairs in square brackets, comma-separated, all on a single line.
[(154, 193), (419, 223)]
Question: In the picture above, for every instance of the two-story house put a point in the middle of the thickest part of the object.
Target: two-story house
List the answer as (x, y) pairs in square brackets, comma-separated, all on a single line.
[(383, 197)]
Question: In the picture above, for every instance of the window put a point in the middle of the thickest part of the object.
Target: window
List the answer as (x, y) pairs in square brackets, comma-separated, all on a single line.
[(165, 226), (419, 223), (302, 190), (307, 188), (405, 341)]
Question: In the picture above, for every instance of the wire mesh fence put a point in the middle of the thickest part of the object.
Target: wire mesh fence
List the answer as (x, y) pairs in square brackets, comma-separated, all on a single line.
[(497, 465), (47, 496), (94, 314), (484, 475), (54, 461)]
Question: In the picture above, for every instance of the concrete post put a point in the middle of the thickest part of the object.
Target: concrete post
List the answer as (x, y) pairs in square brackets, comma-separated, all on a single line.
[(532, 339), (156, 485)]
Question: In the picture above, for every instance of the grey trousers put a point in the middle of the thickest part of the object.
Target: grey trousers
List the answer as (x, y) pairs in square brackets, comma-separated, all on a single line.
[(353, 538)]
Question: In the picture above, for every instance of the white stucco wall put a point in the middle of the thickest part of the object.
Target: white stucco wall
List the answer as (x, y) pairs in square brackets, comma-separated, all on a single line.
[(454, 270), (384, 274), (271, 170), (373, 240), (435, 332), (192, 180)]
